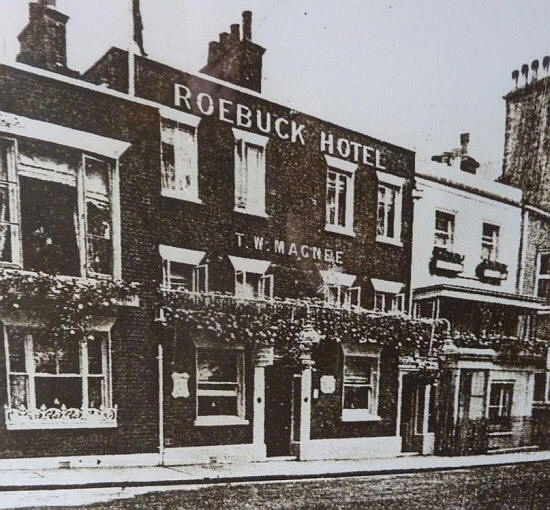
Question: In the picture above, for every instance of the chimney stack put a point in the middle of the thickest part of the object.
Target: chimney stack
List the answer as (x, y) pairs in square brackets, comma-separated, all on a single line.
[(247, 25), (43, 42), (535, 69), (237, 60)]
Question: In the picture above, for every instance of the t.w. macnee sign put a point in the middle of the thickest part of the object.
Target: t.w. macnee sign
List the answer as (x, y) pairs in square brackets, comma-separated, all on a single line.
[(291, 249), (265, 122)]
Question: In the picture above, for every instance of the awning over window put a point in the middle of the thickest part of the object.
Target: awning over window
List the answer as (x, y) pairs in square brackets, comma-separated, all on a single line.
[(61, 135), (181, 255), (387, 286), (256, 266), (337, 278)]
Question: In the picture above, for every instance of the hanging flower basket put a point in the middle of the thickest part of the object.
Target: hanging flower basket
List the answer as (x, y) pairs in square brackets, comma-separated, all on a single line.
[(492, 270), (446, 262)]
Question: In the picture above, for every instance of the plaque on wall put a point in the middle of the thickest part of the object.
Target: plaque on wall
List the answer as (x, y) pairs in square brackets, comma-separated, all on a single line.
[(180, 386), (328, 384)]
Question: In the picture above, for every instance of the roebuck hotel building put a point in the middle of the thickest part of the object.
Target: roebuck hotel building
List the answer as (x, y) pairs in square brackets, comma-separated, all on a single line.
[(264, 256)]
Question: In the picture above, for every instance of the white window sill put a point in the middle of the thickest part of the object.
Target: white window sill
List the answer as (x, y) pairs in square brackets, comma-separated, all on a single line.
[(337, 229), (216, 421), (251, 212), (359, 415), (389, 240), (180, 196)]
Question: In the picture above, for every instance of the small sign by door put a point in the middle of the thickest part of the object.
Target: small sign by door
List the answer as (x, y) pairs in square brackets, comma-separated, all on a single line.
[(328, 384), (180, 386)]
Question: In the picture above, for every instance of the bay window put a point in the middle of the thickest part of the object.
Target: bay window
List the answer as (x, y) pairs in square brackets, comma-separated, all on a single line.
[(57, 386), (389, 208), (179, 156), (339, 290), (361, 368), (340, 192), (250, 172), (220, 386), (388, 296)]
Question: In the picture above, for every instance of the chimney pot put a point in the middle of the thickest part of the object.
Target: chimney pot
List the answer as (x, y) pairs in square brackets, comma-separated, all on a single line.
[(224, 39), (247, 25), (464, 141), (235, 32)]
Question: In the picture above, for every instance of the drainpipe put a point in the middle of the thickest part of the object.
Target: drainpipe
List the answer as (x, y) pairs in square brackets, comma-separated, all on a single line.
[(161, 403)]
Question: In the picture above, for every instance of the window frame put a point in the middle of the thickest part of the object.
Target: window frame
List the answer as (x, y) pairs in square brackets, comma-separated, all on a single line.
[(501, 405), (395, 184), (541, 276), (546, 399), (493, 243), (243, 140), (373, 355), (84, 374), (341, 167), (184, 122), (450, 232), (12, 186), (222, 419)]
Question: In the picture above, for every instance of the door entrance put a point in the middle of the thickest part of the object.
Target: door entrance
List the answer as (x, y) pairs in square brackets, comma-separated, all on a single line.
[(278, 410)]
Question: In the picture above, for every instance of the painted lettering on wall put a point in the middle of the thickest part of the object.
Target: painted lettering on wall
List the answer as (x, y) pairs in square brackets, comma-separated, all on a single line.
[(288, 248), (348, 149), (240, 115), (269, 124)]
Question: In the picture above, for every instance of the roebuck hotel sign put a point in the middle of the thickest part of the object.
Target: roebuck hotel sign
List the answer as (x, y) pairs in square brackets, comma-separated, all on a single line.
[(242, 116)]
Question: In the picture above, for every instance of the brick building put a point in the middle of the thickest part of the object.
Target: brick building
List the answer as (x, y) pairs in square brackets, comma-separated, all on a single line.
[(270, 252)]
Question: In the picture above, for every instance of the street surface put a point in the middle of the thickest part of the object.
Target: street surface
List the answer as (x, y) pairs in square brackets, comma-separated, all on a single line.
[(520, 486)]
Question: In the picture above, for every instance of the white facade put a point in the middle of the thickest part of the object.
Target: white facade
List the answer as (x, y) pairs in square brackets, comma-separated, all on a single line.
[(472, 201)]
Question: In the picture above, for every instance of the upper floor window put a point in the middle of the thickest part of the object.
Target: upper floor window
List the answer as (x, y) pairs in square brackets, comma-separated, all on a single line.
[(69, 385), (389, 208), (361, 369), (179, 157), (250, 174), (251, 280), (489, 241), (388, 296), (220, 386), (339, 291), (542, 283), (541, 391), (444, 230), (9, 216), (182, 269), (67, 210), (340, 190)]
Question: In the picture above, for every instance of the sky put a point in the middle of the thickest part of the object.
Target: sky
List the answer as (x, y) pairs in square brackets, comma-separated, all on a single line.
[(415, 73)]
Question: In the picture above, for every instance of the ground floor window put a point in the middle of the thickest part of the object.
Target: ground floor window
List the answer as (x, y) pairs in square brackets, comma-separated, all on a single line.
[(500, 403), (360, 385), (220, 385), (386, 302), (542, 388), (52, 385)]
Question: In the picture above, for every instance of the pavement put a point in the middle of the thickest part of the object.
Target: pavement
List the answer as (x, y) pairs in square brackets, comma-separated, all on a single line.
[(20, 488)]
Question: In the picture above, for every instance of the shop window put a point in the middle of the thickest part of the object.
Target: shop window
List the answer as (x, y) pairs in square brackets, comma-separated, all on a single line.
[(444, 230), (57, 386), (489, 242), (250, 174), (179, 159), (542, 284), (389, 208), (9, 216), (360, 385), (220, 386), (500, 404), (182, 269), (340, 196)]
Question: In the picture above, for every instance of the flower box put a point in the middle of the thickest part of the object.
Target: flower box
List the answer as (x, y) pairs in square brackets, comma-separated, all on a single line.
[(446, 262), (492, 270)]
